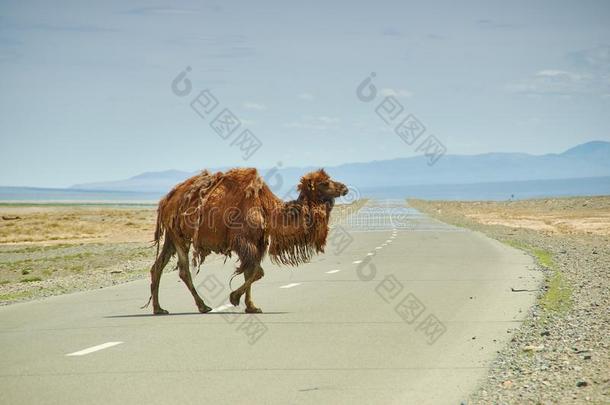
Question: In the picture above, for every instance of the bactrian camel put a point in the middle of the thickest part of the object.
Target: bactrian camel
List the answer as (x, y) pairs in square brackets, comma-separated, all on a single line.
[(236, 212)]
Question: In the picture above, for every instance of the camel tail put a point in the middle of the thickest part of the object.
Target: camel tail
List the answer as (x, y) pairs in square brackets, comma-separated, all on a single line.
[(159, 231), (147, 304), (232, 277)]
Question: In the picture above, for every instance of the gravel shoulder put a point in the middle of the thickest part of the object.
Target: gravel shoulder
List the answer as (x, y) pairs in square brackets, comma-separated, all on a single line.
[(561, 353)]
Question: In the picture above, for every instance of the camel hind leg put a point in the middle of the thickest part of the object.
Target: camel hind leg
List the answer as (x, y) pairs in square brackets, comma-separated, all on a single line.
[(250, 256), (167, 251), (256, 274), (246, 270), (252, 273), (185, 275)]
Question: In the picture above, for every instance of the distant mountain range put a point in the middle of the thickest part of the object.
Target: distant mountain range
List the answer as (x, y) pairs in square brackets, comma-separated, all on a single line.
[(590, 159)]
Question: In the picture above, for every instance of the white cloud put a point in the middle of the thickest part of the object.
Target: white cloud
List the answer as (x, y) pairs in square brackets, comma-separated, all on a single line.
[(557, 82), (559, 74), (588, 75), (320, 122), (327, 120), (161, 10), (398, 93), (254, 106), (306, 96)]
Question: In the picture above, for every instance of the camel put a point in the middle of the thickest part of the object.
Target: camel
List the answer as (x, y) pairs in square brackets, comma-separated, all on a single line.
[(236, 212)]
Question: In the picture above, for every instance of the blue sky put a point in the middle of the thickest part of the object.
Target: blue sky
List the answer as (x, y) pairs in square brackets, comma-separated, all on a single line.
[(86, 86)]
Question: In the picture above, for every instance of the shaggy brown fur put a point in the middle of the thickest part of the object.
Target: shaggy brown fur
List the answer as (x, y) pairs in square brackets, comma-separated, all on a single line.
[(236, 212)]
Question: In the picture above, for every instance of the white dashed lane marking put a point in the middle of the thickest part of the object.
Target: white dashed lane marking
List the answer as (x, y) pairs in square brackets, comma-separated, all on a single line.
[(333, 271), (94, 349), (290, 285), (357, 261), (222, 308)]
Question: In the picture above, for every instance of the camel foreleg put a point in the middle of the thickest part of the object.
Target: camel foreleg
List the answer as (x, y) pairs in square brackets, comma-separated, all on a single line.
[(185, 276)]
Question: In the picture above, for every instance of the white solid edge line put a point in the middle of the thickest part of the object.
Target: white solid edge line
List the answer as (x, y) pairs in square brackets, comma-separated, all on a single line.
[(357, 261), (333, 271), (94, 349), (290, 285)]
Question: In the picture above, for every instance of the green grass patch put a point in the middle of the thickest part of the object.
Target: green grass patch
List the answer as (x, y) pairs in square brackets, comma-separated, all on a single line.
[(34, 249), (516, 244), (30, 279), (15, 296), (558, 296), (76, 268), (3, 282), (543, 257), (27, 265)]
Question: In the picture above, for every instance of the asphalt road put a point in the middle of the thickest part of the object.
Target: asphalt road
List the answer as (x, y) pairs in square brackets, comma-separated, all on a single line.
[(401, 309)]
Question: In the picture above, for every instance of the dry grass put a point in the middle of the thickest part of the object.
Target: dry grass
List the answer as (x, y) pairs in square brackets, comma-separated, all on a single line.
[(570, 216), (61, 224)]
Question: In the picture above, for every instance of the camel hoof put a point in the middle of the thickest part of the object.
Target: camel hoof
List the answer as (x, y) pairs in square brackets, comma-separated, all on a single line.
[(160, 311), (253, 310), (204, 309), (234, 298)]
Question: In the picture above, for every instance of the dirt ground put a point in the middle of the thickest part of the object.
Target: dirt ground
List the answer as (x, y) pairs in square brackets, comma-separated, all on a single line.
[(569, 216), (561, 354), (48, 249)]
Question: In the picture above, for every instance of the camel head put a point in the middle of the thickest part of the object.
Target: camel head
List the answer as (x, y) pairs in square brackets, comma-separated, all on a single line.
[(318, 187)]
